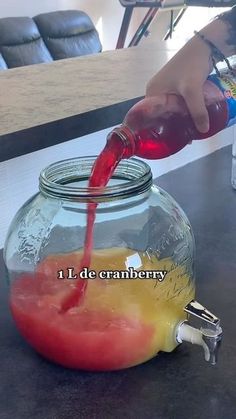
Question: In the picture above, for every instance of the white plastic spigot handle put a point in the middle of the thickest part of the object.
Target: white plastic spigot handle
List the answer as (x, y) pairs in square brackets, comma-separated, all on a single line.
[(190, 334)]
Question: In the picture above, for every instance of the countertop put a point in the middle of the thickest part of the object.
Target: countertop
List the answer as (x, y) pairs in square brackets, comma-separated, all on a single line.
[(45, 104), (178, 385)]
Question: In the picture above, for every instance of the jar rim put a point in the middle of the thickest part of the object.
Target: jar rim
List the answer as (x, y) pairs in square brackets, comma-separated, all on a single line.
[(135, 174)]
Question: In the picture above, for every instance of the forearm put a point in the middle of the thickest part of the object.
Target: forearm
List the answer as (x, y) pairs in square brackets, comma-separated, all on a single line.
[(229, 19), (220, 33), (186, 73)]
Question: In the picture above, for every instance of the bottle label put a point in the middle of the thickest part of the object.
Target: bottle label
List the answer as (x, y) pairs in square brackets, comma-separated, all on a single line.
[(227, 84)]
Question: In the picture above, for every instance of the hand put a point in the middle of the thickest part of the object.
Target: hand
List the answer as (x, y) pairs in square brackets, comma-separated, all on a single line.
[(188, 70), (185, 75)]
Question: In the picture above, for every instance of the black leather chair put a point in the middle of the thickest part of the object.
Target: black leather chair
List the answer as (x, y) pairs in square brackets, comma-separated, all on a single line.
[(68, 33), (21, 43)]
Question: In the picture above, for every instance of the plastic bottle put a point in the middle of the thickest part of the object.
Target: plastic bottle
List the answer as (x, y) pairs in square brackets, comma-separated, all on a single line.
[(157, 127)]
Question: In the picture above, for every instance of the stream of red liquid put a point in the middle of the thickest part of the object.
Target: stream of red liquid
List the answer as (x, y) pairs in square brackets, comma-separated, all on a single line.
[(102, 171)]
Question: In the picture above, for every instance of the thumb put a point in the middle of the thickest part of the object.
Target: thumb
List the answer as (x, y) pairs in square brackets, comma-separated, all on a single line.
[(197, 108)]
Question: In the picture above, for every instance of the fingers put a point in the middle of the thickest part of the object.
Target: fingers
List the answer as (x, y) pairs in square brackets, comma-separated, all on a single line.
[(197, 108), (193, 97)]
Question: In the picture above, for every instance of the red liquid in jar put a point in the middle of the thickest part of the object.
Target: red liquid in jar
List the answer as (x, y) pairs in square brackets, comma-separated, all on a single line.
[(94, 339), (119, 324)]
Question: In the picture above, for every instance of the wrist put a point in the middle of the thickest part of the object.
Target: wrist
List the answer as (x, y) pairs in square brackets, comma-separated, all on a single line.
[(217, 32), (198, 52)]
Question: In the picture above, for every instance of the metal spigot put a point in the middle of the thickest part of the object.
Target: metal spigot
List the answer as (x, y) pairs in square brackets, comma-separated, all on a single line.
[(208, 336)]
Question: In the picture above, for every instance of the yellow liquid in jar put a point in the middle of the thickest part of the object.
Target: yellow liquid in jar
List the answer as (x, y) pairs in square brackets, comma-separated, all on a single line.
[(158, 305)]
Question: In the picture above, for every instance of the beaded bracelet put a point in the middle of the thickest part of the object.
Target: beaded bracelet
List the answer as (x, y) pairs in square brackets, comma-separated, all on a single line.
[(216, 54)]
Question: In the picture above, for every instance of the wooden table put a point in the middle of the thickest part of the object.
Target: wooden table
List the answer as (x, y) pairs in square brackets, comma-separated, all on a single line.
[(46, 104)]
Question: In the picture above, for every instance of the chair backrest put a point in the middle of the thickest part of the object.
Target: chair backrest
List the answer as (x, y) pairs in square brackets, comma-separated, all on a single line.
[(21, 43), (68, 33)]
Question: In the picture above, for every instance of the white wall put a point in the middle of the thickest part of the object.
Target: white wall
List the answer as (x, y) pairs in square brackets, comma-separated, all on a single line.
[(32, 7)]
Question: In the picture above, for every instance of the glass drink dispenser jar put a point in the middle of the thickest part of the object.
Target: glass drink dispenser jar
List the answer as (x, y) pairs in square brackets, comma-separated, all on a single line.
[(140, 284)]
